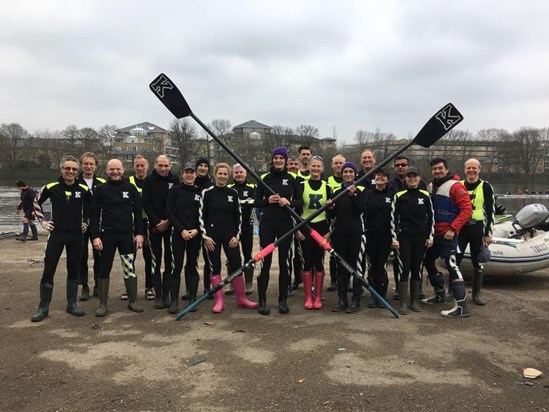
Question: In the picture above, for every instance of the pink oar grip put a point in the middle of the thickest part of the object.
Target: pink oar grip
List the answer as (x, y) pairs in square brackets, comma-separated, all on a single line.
[(323, 243), (264, 252)]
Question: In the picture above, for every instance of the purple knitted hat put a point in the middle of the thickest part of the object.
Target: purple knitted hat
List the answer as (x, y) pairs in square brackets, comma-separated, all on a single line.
[(351, 165), (281, 150)]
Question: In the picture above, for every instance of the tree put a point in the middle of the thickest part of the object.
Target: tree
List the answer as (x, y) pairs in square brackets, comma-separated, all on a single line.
[(70, 133), (183, 135), (13, 135), (306, 134), (529, 149), (89, 140), (106, 134), (222, 128)]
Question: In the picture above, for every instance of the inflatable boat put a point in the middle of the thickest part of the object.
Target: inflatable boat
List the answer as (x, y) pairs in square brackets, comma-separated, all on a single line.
[(519, 245)]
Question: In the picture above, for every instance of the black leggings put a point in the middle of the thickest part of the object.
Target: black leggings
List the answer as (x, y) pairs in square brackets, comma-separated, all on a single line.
[(56, 243), (247, 241), (83, 264), (348, 247), (269, 231), (410, 255), (155, 241), (313, 254), (125, 245), (472, 235), (179, 247), (232, 254), (378, 248)]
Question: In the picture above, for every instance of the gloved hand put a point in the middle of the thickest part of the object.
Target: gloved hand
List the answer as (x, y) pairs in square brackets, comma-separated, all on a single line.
[(47, 225)]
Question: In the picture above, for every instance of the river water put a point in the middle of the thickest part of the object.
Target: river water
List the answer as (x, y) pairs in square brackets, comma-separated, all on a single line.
[(9, 199)]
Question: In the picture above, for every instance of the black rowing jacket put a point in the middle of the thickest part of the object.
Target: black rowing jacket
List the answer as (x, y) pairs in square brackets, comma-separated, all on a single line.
[(412, 214), (377, 211), (219, 212), (182, 205), (69, 205), (155, 194), (284, 183), (116, 208), (246, 194)]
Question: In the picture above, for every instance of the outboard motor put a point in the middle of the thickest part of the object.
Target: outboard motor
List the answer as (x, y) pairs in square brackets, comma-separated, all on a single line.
[(535, 216)]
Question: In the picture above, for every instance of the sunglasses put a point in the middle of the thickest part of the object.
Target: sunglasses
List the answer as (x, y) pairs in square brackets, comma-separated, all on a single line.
[(401, 164), (70, 169)]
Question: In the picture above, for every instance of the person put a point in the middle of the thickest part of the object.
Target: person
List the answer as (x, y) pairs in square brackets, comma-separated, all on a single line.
[(346, 236), (412, 231), (367, 162), (183, 210), (155, 193), (203, 181), (116, 223), (70, 202), (220, 219), (26, 205), (88, 163), (246, 194), (293, 165), (335, 181), (401, 166), (377, 211), (140, 169), (304, 160), (452, 208), (477, 233), (315, 193), (276, 222)]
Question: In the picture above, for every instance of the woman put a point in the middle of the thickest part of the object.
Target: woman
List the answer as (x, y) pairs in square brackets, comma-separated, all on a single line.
[(377, 212), (276, 222), (183, 211), (412, 230), (346, 235), (315, 194), (220, 220)]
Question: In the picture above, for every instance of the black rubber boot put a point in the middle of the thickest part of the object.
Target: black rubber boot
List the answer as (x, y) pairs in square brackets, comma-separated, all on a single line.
[(103, 293), (34, 232), (23, 236), (403, 289), (166, 290), (355, 305), (131, 290), (85, 293), (262, 307), (477, 287), (283, 308), (342, 303), (459, 310), (437, 280), (382, 291), (46, 292), (72, 292), (414, 295), (372, 302), (174, 291), (193, 290)]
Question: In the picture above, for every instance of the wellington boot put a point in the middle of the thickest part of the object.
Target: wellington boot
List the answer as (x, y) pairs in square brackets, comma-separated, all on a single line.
[(319, 284), (34, 232), (382, 292), (414, 295), (175, 286), (283, 308), (103, 293), (249, 280), (228, 290), (85, 293), (372, 302), (166, 290), (219, 297), (342, 303), (354, 307), (46, 292), (23, 236), (262, 308), (193, 289), (403, 289), (459, 310), (307, 277), (477, 287), (131, 290), (72, 292), (241, 300)]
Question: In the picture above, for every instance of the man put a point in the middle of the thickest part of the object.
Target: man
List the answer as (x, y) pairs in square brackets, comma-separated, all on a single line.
[(69, 214), (335, 181), (401, 166), (293, 165), (452, 209), (116, 222), (155, 193), (367, 161), (246, 195), (305, 155), (26, 205), (88, 163), (141, 168), (478, 230), (203, 181)]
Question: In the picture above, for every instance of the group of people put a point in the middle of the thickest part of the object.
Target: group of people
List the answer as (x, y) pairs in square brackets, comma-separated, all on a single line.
[(172, 220)]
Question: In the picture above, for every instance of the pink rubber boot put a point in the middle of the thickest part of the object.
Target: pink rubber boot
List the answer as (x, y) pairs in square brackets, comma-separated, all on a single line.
[(241, 299), (219, 300)]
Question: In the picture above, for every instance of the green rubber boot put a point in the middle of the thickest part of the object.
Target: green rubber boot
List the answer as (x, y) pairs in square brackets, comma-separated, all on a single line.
[(103, 293), (72, 292), (46, 292)]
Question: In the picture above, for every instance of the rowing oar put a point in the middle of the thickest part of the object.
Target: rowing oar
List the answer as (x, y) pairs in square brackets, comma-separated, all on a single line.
[(442, 122)]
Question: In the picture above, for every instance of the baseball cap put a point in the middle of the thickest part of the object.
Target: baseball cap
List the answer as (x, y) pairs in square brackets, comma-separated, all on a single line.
[(413, 171), (189, 165)]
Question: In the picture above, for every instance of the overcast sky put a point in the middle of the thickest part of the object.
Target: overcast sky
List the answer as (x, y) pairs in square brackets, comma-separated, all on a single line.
[(345, 64)]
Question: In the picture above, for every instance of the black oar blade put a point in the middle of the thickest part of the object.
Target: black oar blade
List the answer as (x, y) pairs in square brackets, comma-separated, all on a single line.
[(441, 123), (169, 94)]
